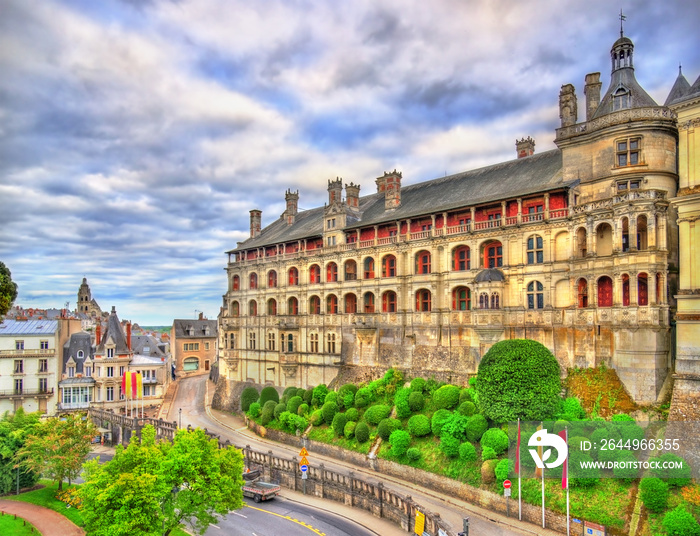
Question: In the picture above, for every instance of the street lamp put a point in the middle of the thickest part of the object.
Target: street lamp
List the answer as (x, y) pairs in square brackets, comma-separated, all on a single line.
[(180, 419)]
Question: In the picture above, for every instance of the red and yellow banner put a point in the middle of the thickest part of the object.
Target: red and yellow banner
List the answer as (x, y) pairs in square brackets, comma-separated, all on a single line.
[(132, 385)]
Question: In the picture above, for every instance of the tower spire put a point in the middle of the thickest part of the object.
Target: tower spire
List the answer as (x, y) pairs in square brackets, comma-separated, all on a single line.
[(622, 19)]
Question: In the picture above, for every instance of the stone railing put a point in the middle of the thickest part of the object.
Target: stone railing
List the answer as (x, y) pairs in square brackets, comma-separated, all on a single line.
[(616, 118), (631, 195)]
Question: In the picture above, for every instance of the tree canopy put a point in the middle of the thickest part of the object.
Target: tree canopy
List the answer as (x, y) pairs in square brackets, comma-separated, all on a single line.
[(151, 487), (518, 378), (8, 289), (14, 430)]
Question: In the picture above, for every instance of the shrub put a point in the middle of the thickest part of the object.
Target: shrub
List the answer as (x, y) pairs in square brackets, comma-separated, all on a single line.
[(393, 376), (419, 425), (294, 403), (361, 432), (456, 426), (339, 422), (449, 445), (267, 415), (476, 426), (292, 422), (413, 454), (620, 417), (446, 397), (626, 474), (351, 387), (467, 452), (654, 494), (346, 395), (465, 395), (495, 438), (503, 469), (318, 398), (440, 417), (329, 410), (300, 392), (248, 396), (487, 453), (571, 407), (308, 397), (466, 408), (285, 399), (680, 522), (582, 479), (377, 388), (270, 404), (279, 409), (488, 471), (331, 396), (399, 441), (291, 391), (303, 409), (363, 397), (352, 414), (316, 418), (349, 429), (673, 477), (518, 378), (254, 410), (269, 393), (386, 426), (418, 385), (376, 413), (416, 401), (401, 397)]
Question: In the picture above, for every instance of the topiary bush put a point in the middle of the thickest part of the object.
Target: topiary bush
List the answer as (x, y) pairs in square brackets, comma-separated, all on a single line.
[(399, 441), (416, 401), (446, 397), (291, 391), (254, 410), (316, 418), (571, 409), (361, 432), (518, 378), (413, 454), (386, 426), (622, 472), (418, 385), (675, 478), (248, 396), (376, 413), (582, 480), (279, 409), (318, 397), (349, 429), (339, 422), (401, 397), (449, 445), (466, 408), (363, 397), (476, 426), (503, 469), (269, 393), (466, 395), (308, 397), (331, 396), (467, 452), (271, 404), (267, 415), (294, 403), (440, 417), (292, 422), (487, 453), (654, 494), (352, 414), (329, 410), (303, 409), (418, 425), (680, 522), (496, 439)]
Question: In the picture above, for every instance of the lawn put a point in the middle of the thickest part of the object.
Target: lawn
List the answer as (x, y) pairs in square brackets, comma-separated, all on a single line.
[(46, 497), (16, 526)]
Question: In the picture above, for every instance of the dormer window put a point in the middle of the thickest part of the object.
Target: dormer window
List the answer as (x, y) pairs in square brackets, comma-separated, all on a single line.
[(628, 152), (621, 99), (110, 352), (81, 354)]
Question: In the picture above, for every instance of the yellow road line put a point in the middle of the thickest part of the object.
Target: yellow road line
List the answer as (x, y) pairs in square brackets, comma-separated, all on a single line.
[(315, 531)]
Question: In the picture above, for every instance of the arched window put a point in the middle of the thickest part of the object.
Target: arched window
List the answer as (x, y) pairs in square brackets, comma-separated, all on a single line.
[(389, 266), (293, 276), (483, 300), (253, 281), (236, 283), (423, 300), (332, 304), (292, 306), (252, 308), (235, 308), (535, 295), (605, 292), (368, 302), (493, 255), (461, 299), (495, 300), (368, 266), (350, 270), (534, 250), (389, 302), (581, 242), (461, 258), (272, 307), (625, 234), (350, 304), (314, 274), (314, 305), (604, 239), (582, 293), (642, 289), (271, 279), (625, 290), (331, 272), (641, 232), (423, 262)]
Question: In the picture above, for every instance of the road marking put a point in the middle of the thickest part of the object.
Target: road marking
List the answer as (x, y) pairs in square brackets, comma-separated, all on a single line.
[(288, 518), (239, 514), (212, 525)]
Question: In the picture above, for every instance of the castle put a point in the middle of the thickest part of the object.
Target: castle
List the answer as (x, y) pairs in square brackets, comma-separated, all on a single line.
[(589, 248)]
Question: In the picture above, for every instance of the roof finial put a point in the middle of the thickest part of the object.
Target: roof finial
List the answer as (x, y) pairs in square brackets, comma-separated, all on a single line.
[(680, 70), (622, 19)]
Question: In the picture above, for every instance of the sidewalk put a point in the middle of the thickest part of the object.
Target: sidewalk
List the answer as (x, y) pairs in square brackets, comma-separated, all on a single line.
[(47, 522)]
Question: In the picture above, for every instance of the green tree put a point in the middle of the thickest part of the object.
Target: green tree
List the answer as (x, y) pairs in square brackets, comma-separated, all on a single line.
[(518, 378), (57, 448), (8, 289), (153, 487), (13, 432)]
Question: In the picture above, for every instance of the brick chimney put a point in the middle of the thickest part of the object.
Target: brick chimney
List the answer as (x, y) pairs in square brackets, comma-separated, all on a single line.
[(335, 190), (352, 195), (525, 147), (201, 315), (292, 199), (128, 335), (98, 334), (255, 222), (568, 105), (592, 92), (392, 190)]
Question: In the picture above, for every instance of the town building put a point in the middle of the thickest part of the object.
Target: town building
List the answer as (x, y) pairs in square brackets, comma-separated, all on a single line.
[(194, 345)]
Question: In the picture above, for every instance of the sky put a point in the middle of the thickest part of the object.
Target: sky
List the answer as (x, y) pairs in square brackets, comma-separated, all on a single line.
[(136, 136)]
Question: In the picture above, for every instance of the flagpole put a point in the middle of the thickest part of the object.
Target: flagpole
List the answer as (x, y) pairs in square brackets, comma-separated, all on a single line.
[(520, 495), (542, 426), (568, 519)]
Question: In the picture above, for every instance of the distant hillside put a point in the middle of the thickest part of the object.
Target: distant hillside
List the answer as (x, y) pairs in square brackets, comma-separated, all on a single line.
[(161, 329)]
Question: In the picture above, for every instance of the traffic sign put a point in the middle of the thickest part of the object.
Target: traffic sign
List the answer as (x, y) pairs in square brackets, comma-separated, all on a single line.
[(304, 452), (506, 492), (506, 484), (304, 461), (304, 468)]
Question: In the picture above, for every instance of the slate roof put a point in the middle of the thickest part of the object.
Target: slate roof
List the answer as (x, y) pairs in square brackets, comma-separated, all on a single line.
[(679, 89), (28, 327), (77, 342), (198, 328), (521, 177), (490, 274), (692, 92), (114, 330), (146, 345)]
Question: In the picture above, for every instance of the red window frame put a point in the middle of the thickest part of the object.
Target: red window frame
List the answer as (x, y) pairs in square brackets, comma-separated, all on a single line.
[(368, 302), (271, 279), (314, 305), (253, 281), (236, 285), (331, 272), (314, 274), (461, 259), (423, 262), (605, 292), (493, 255), (350, 304), (293, 306), (389, 302), (272, 307), (459, 300), (368, 268), (423, 300), (332, 304), (389, 266), (293, 276)]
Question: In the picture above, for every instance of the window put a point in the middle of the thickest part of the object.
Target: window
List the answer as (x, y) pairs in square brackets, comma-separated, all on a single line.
[(368, 302), (625, 290), (368, 266), (122, 370), (331, 343), (236, 283), (331, 241), (43, 385), (389, 266), (582, 293), (483, 300), (253, 281), (534, 250), (642, 290), (331, 272), (535, 296), (631, 184), (189, 347), (235, 308), (581, 242), (44, 345), (19, 366), (314, 305), (493, 255), (149, 390), (293, 277), (272, 307), (232, 341), (110, 394), (423, 299), (642, 232), (330, 223), (252, 308), (251, 340), (110, 352), (423, 262), (19, 386), (460, 259), (19, 345), (350, 270), (461, 299), (625, 235), (71, 371), (313, 343), (332, 304), (605, 292), (88, 372), (272, 279), (80, 354), (314, 274), (271, 341), (43, 365), (389, 302), (110, 372), (627, 152), (206, 345), (495, 300), (292, 306), (621, 98), (350, 303)]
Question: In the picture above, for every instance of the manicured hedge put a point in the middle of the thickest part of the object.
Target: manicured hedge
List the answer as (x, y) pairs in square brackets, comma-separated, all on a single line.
[(416, 401), (419, 425), (476, 426), (269, 393), (248, 396), (254, 410), (318, 397), (363, 397), (449, 445), (339, 422), (386, 426), (401, 397), (654, 494), (495, 438), (361, 432), (399, 441), (680, 522), (279, 409), (349, 429), (352, 414), (329, 410), (446, 397), (413, 454), (440, 417), (467, 408), (376, 413), (294, 403), (303, 409), (467, 452), (418, 385)]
